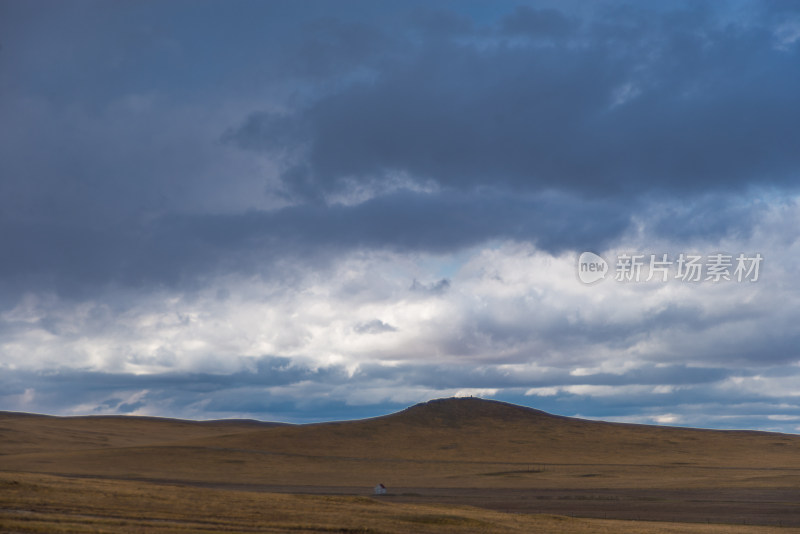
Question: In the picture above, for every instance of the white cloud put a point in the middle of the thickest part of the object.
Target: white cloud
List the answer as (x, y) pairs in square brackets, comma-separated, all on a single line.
[(543, 392), (476, 392), (667, 419), (510, 311)]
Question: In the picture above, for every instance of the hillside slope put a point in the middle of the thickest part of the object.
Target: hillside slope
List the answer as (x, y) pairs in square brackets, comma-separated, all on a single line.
[(461, 442)]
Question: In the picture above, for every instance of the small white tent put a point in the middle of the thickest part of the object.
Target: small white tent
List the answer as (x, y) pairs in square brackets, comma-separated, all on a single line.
[(380, 489)]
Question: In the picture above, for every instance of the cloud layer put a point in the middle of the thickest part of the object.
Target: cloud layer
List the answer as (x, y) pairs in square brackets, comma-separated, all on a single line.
[(335, 210)]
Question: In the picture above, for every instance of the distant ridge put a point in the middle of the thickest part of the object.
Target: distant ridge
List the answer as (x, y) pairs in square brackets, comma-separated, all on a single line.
[(150, 418)]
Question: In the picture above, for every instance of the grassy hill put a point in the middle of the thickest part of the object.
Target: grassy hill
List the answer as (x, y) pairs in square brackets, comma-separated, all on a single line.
[(453, 452), (460, 442)]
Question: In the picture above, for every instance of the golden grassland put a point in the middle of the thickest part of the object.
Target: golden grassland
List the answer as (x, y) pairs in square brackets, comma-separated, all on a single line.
[(50, 504), (453, 465)]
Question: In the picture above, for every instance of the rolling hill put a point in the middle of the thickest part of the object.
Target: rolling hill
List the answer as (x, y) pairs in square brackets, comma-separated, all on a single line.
[(460, 451)]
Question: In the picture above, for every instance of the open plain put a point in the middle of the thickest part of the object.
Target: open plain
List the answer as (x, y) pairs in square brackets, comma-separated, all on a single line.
[(450, 465)]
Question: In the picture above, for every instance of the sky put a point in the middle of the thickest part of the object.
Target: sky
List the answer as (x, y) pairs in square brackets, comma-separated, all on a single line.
[(321, 210)]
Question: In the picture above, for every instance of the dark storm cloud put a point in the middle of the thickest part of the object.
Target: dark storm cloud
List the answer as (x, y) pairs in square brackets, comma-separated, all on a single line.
[(440, 22), (438, 222), (445, 221), (329, 46), (535, 22), (176, 249), (636, 101), (517, 119)]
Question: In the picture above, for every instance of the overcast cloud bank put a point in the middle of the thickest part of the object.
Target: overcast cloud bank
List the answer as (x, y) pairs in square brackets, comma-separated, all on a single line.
[(311, 211)]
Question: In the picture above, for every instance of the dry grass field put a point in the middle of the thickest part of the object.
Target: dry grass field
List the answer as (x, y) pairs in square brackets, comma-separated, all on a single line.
[(452, 465)]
